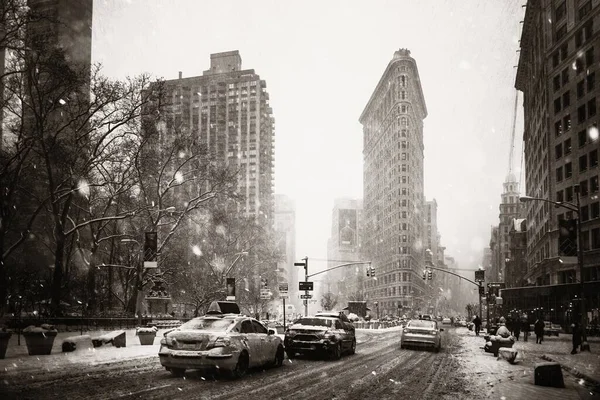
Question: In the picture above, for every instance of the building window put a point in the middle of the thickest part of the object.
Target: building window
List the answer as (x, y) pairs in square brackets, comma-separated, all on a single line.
[(585, 213), (404, 168), (591, 81), (561, 11), (584, 10), (568, 170), (595, 210), (557, 105), (403, 95), (566, 99), (556, 83), (583, 188), (559, 196), (561, 32), (579, 38), (583, 163), (589, 57), (593, 158), (591, 107), (404, 133), (567, 146), (582, 138), (578, 66), (581, 114), (580, 88), (404, 157), (564, 51), (558, 151), (595, 238), (594, 184), (569, 193), (555, 59), (565, 76), (559, 174), (567, 122), (558, 127)]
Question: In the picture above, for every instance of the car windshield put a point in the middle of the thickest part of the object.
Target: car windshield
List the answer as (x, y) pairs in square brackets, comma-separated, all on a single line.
[(208, 324), (421, 324), (315, 322)]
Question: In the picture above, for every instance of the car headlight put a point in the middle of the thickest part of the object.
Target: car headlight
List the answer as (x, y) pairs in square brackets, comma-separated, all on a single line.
[(291, 333), (329, 336), (169, 342), (405, 330), (219, 342)]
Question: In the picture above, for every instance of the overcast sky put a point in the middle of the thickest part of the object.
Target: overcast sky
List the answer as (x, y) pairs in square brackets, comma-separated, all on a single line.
[(321, 61)]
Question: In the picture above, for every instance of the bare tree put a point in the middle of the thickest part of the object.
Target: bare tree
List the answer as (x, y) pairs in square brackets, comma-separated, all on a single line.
[(329, 301)]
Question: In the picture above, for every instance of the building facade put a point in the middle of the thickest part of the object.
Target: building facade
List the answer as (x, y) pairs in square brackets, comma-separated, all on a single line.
[(285, 235), (516, 265), (557, 71), (394, 203), (510, 207), (227, 107), (343, 247)]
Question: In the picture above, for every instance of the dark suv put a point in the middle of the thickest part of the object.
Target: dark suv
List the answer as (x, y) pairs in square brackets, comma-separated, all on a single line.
[(328, 333)]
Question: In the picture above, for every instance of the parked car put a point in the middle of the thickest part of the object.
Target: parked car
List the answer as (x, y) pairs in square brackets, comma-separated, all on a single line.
[(446, 321), (229, 342), (329, 333), (426, 317), (551, 329), (422, 333), (276, 326)]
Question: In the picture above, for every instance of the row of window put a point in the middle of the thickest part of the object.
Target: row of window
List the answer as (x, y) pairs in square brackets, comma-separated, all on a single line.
[(586, 187), (584, 112)]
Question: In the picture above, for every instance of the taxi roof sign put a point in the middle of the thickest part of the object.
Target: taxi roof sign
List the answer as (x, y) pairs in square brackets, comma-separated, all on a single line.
[(223, 307)]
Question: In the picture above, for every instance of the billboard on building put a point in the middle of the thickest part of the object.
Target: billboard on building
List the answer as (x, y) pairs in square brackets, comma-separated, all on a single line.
[(347, 228)]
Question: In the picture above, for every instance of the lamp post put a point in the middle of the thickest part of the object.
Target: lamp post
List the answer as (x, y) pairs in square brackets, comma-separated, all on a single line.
[(576, 208), (139, 284)]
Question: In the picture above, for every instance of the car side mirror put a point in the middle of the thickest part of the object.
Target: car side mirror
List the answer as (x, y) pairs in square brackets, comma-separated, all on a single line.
[(271, 332), (441, 329)]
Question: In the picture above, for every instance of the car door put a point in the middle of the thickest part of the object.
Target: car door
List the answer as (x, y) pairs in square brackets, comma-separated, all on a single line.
[(267, 344), (252, 342)]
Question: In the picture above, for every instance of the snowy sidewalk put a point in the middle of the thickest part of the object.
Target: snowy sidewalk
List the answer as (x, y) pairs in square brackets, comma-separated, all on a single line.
[(499, 379), (18, 361)]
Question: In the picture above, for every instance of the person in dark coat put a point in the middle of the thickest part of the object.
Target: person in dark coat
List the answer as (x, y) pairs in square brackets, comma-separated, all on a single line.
[(477, 323), (525, 328), (516, 328), (576, 337), (538, 328)]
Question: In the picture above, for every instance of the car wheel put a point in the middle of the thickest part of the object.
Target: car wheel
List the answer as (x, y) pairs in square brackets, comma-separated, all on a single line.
[(290, 354), (178, 372), (279, 355), (353, 347), (241, 367), (437, 349), (336, 351)]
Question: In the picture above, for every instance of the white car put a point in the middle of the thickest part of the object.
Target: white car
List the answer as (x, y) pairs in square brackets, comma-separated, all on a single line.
[(229, 343), (419, 332), (446, 321)]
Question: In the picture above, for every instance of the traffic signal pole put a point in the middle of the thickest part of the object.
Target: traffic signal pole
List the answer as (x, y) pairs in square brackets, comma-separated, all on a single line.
[(306, 291)]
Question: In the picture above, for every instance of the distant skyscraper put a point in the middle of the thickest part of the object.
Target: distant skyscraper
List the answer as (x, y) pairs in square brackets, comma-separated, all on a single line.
[(344, 246), (228, 108), (393, 184), (509, 210), (285, 236)]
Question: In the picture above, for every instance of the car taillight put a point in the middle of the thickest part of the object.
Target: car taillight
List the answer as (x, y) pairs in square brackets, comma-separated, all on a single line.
[(219, 342), (169, 342)]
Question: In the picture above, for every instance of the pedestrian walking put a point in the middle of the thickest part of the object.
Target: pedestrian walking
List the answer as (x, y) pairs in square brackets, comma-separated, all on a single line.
[(477, 323), (538, 328), (517, 328), (525, 328), (576, 337)]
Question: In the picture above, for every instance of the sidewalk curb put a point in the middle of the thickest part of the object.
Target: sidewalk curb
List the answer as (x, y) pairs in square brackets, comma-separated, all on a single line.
[(572, 371)]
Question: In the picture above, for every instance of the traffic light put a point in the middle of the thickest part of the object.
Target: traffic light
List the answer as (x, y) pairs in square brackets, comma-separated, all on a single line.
[(430, 275), (265, 283), (372, 271), (567, 237), (368, 271), (424, 275), (481, 290)]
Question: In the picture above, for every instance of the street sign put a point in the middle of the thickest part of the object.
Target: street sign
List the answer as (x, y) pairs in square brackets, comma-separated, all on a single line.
[(306, 285), (283, 288), (480, 275), (306, 296)]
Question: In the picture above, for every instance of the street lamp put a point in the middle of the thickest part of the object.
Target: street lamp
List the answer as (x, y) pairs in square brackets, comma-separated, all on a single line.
[(139, 288), (377, 307), (576, 208)]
